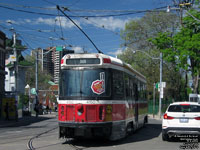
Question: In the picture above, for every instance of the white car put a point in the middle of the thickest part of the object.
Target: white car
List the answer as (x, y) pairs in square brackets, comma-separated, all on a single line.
[(181, 118)]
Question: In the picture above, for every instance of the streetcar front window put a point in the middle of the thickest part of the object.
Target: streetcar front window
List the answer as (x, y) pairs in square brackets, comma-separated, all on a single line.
[(85, 83)]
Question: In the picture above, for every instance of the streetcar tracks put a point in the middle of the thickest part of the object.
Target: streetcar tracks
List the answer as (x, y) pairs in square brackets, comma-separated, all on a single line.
[(30, 142), (77, 148), (74, 146)]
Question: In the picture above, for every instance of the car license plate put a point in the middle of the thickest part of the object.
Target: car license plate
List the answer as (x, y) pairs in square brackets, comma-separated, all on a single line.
[(183, 120)]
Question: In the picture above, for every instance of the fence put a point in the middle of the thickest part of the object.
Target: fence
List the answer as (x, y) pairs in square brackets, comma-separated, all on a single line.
[(153, 109)]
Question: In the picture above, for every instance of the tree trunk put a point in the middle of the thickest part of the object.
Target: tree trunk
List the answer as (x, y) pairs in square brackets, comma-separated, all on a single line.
[(196, 83), (186, 83)]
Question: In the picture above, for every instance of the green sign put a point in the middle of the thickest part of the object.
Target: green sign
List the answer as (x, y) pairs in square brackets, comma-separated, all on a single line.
[(33, 91), (157, 85), (59, 48), (51, 83)]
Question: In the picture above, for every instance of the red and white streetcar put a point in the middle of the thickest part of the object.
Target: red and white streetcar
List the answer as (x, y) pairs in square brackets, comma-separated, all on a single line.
[(100, 96)]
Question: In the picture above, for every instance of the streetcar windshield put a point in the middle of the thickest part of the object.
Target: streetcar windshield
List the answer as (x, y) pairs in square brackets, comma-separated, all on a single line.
[(85, 83)]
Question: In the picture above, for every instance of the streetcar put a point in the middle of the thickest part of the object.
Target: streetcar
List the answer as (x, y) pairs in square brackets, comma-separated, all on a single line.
[(100, 96)]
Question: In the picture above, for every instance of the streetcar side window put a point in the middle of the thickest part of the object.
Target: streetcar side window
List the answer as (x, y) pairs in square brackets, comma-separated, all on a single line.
[(118, 85), (142, 91), (126, 79), (128, 89)]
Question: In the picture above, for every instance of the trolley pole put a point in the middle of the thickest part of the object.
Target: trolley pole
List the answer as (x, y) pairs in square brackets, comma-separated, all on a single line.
[(161, 88)]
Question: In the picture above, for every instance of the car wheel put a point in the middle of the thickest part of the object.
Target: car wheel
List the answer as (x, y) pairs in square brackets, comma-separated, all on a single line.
[(165, 137)]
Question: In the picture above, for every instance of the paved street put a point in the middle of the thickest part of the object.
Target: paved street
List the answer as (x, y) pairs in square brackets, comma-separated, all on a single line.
[(17, 134), (17, 137)]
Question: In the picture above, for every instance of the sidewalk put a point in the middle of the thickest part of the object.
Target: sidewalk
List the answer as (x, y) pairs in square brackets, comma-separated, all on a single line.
[(26, 120), (157, 117)]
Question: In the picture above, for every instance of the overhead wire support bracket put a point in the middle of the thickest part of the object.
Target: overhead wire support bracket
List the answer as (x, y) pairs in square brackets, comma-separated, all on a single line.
[(79, 28)]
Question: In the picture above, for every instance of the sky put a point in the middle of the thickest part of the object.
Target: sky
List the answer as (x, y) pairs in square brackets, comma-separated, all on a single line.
[(39, 24)]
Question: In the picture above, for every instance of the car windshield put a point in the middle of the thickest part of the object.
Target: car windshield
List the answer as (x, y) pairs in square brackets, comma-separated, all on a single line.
[(85, 83), (184, 108)]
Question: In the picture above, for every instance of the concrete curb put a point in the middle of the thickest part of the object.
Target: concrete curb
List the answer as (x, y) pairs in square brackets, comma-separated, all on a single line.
[(157, 117)]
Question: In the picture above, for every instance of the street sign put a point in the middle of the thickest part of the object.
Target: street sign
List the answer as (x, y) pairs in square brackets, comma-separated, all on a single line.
[(59, 48), (158, 85), (33, 91), (51, 83), (161, 93), (12, 58)]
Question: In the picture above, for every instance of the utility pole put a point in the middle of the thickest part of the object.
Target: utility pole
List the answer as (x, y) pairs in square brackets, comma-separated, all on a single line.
[(36, 84), (16, 74), (154, 87), (161, 87), (15, 63)]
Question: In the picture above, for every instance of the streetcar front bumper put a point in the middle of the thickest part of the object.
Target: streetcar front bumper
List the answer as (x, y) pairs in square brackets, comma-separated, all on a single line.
[(87, 130)]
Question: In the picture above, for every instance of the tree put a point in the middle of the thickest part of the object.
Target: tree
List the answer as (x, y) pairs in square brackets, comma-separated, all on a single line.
[(137, 32), (184, 47), (43, 76), (187, 46), (136, 36)]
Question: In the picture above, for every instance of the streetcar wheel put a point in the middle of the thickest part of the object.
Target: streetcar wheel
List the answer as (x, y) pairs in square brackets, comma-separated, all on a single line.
[(145, 121), (129, 129)]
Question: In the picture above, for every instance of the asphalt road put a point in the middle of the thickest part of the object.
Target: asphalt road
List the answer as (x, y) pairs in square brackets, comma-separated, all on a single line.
[(44, 136)]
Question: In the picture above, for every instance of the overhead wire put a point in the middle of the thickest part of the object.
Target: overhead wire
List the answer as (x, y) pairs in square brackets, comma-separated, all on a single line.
[(78, 10), (19, 35), (97, 25), (128, 12), (79, 29), (192, 16), (107, 15), (23, 6), (18, 32), (33, 39), (49, 2), (41, 31), (60, 25)]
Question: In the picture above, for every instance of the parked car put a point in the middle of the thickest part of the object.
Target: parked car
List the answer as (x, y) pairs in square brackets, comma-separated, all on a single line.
[(181, 118)]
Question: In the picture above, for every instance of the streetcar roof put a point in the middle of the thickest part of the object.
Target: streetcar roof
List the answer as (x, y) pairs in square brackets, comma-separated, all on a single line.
[(105, 61)]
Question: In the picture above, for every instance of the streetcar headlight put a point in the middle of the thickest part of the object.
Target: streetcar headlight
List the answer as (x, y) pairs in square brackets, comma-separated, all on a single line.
[(62, 110), (80, 109)]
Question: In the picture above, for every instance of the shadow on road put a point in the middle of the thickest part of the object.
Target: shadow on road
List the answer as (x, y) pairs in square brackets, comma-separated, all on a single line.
[(150, 131)]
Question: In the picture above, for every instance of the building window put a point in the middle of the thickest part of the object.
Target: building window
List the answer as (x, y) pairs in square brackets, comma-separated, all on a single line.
[(12, 88)]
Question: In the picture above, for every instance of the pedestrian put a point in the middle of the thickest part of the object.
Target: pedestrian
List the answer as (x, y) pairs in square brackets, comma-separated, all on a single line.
[(36, 109), (50, 110), (47, 109), (6, 110)]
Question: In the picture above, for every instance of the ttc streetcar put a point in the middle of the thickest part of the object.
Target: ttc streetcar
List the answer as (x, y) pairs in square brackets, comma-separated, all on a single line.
[(100, 96)]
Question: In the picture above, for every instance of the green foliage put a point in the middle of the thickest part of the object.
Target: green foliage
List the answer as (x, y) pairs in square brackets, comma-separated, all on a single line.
[(23, 100), (137, 32), (53, 98), (25, 63), (43, 76), (19, 46), (142, 34), (183, 49)]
